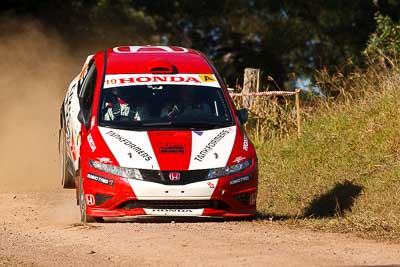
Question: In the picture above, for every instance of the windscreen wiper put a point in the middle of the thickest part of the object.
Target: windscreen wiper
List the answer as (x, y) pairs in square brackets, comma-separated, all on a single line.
[(192, 125), (200, 124), (122, 124), (161, 123)]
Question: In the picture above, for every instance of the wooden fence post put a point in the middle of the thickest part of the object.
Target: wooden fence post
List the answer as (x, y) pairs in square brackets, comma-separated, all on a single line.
[(251, 83), (298, 111)]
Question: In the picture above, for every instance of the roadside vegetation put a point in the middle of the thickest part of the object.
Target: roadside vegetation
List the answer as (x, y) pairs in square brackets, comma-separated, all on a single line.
[(342, 174)]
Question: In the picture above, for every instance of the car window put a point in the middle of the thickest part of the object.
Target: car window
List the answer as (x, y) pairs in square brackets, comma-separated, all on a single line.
[(167, 105), (87, 90)]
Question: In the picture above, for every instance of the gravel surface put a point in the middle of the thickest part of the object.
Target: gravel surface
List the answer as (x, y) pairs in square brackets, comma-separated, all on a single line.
[(43, 229)]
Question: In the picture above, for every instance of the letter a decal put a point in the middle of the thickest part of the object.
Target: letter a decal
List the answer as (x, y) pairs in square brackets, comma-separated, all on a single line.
[(207, 78)]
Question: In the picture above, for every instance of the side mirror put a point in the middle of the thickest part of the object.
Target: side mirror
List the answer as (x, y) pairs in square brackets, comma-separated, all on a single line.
[(243, 115), (81, 119)]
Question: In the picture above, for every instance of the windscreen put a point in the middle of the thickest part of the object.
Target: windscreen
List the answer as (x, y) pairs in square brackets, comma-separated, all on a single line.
[(175, 106)]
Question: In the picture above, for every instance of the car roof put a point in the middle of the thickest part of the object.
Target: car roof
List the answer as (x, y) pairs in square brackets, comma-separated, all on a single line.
[(156, 60)]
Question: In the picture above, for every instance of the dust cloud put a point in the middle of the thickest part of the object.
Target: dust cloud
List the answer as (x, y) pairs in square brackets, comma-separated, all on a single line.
[(35, 70)]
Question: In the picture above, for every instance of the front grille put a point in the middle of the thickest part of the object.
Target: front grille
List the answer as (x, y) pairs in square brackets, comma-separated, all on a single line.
[(101, 198), (244, 198), (186, 177), (173, 204)]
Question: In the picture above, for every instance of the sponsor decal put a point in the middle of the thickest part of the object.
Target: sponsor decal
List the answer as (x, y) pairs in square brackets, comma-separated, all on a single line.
[(209, 147), (89, 199), (91, 142), (173, 210), (174, 176), (216, 155), (156, 80), (239, 159), (104, 160), (67, 110), (245, 143), (147, 78), (199, 133), (211, 185), (131, 145), (172, 148), (239, 180), (207, 78), (100, 179), (71, 147)]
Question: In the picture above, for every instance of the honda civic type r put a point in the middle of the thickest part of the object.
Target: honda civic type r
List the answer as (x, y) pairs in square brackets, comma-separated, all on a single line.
[(152, 131)]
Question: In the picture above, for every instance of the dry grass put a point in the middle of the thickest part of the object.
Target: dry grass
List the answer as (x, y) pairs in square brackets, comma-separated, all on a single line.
[(270, 117), (343, 173)]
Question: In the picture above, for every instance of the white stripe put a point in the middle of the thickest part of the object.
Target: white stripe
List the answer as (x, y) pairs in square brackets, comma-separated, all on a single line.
[(154, 191), (116, 80), (206, 153), (174, 212), (126, 155)]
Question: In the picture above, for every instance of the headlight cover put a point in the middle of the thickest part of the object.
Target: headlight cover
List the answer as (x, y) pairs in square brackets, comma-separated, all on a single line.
[(224, 171), (119, 171)]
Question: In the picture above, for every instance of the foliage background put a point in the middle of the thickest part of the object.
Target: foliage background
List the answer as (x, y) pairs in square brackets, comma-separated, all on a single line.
[(286, 39)]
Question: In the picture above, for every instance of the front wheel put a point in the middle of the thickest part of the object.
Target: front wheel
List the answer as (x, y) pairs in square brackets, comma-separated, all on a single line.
[(82, 205)]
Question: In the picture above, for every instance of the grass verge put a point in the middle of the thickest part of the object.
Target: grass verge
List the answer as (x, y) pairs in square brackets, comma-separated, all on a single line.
[(343, 173)]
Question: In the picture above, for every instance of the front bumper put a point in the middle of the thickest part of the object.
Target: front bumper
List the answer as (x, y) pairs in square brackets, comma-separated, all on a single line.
[(212, 198)]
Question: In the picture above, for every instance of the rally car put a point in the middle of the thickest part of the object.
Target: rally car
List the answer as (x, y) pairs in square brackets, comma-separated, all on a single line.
[(152, 131)]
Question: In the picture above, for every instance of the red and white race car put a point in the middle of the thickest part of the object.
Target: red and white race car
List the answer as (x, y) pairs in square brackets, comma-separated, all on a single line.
[(152, 131)]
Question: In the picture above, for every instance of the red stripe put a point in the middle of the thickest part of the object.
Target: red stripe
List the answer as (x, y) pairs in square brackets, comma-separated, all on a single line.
[(172, 148)]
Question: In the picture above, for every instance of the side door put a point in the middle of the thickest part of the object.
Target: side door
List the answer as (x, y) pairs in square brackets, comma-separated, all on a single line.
[(71, 123)]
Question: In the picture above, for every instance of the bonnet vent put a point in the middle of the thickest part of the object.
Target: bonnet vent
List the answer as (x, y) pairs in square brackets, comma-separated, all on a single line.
[(158, 66)]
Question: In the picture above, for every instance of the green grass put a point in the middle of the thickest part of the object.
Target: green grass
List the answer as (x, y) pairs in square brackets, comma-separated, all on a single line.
[(343, 173)]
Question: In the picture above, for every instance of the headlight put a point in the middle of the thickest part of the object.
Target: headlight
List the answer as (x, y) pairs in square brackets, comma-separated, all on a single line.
[(119, 171), (224, 171)]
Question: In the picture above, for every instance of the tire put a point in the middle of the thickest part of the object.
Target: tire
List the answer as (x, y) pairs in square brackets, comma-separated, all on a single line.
[(82, 205), (67, 179)]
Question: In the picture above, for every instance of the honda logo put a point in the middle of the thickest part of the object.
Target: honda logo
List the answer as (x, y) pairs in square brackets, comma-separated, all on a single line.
[(174, 176), (90, 200)]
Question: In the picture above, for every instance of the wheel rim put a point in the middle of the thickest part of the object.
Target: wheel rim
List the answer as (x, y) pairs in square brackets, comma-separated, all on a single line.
[(82, 203), (62, 157)]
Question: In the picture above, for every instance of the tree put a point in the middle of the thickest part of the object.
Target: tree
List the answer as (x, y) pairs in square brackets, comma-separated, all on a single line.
[(280, 37)]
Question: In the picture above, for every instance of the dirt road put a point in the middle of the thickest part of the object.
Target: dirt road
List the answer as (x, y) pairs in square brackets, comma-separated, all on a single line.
[(42, 229)]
